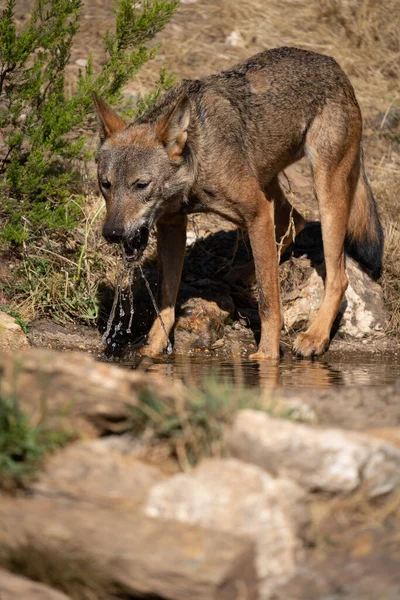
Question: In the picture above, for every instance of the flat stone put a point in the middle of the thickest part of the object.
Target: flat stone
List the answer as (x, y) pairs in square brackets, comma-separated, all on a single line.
[(90, 471), (13, 587), (11, 335), (228, 495), (318, 459), (44, 333), (144, 556)]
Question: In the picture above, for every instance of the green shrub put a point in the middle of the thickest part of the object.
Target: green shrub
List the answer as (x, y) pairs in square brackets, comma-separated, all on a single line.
[(44, 129), (22, 446)]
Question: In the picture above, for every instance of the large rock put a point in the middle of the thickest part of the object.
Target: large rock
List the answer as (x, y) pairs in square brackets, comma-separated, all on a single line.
[(76, 392), (372, 573), (348, 406), (202, 321), (11, 335), (90, 471), (228, 495), (330, 460), (13, 587), (362, 311), (141, 555)]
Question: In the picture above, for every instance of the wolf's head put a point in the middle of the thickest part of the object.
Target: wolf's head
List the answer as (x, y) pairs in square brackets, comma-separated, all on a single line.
[(142, 173)]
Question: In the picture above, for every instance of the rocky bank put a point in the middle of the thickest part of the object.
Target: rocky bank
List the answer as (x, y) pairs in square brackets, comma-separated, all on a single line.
[(261, 519)]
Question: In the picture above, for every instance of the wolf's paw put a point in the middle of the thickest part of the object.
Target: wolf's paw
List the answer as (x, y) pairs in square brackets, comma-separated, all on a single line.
[(307, 345), (265, 355), (151, 350)]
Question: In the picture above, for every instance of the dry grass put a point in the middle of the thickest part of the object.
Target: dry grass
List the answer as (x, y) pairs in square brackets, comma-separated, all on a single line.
[(59, 275), (362, 35)]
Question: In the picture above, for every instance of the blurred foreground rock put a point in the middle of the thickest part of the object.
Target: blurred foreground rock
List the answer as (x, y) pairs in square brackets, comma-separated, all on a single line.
[(373, 575), (76, 392), (227, 529), (318, 459), (13, 587), (89, 471), (11, 335), (228, 495), (141, 555)]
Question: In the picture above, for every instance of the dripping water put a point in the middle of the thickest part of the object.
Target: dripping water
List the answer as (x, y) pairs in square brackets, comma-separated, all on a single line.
[(118, 303), (169, 345), (105, 339), (130, 293)]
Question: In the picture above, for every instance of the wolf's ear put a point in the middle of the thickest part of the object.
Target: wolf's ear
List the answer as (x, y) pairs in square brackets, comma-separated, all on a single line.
[(172, 131), (109, 122)]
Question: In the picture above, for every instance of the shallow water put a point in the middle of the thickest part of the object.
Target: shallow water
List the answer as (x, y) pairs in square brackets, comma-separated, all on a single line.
[(332, 370)]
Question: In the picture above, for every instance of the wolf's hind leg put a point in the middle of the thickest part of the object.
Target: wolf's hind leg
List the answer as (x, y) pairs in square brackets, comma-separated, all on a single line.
[(333, 160)]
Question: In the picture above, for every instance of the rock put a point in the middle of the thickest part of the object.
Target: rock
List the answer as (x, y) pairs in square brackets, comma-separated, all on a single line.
[(191, 238), (13, 587), (349, 406), (201, 323), (141, 555), (81, 62), (78, 393), (45, 333), (362, 311), (235, 39), (329, 460), (228, 495), (340, 577), (11, 335), (92, 472), (389, 434)]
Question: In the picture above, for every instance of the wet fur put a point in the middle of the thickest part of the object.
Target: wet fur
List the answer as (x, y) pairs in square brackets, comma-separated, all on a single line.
[(218, 145)]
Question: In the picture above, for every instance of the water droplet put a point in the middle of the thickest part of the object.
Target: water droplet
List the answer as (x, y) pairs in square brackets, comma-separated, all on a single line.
[(169, 345)]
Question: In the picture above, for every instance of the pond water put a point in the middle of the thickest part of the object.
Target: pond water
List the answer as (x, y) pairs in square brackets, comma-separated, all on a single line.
[(331, 370)]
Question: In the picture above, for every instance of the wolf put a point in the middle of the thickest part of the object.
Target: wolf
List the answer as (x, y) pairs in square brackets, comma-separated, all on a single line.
[(218, 145)]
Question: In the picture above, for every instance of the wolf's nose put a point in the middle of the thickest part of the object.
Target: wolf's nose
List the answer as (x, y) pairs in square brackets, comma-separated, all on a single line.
[(113, 233)]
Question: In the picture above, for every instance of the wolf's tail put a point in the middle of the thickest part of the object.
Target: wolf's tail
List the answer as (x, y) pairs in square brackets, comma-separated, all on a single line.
[(364, 239)]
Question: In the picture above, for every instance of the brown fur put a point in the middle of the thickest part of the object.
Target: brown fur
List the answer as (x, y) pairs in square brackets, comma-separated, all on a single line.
[(218, 145)]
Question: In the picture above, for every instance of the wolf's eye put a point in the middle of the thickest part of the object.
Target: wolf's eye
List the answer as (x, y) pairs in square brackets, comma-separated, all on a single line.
[(141, 185), (105, 184)]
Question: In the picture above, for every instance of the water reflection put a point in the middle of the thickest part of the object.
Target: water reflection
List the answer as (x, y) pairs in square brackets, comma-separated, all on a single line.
[(289, 372)]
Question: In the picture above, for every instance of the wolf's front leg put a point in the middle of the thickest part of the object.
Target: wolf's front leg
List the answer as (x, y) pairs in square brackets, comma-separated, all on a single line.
[(171, 243), (262, 238)]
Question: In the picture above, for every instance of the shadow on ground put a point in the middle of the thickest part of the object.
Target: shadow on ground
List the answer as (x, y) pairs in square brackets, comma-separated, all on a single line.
[(217, 268)]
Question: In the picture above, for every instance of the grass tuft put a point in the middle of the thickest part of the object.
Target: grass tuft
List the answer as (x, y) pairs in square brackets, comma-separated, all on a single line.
[(193, 425), (22, 446)]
